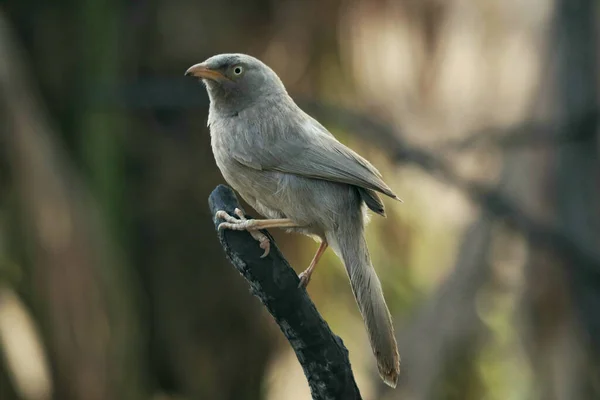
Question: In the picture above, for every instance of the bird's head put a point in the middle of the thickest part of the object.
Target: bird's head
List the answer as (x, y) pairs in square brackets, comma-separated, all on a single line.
[(236, 81)]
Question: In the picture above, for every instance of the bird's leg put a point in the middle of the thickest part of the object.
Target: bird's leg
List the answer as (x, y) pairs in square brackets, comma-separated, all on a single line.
[(243, 224), (305, 276), (253, 226)]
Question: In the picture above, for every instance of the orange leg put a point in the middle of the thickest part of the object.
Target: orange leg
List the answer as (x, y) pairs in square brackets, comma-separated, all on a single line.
[(253, 226), (305, 276)]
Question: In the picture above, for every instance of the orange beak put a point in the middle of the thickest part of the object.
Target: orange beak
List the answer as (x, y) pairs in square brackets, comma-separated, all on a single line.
[(201, 71)]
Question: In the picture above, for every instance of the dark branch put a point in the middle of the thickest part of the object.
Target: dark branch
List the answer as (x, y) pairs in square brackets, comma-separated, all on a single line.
[(321, 353), (527, 134), (530, 134)]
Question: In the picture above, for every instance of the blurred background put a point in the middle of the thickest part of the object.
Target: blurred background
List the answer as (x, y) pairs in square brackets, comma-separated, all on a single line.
[(481, 115)]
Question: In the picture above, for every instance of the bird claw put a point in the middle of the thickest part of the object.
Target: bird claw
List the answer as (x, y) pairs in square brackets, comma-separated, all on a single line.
[(223, 215), (304, 279), (265, 243), (236, 224), (243, 224)]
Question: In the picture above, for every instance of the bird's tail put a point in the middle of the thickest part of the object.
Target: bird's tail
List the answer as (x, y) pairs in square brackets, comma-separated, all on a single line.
[(351, 247)]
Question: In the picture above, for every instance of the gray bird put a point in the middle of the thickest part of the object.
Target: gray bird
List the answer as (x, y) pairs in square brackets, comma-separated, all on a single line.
[(288, 167)]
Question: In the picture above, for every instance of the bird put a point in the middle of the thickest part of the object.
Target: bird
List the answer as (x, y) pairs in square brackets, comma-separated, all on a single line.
[(295, 173)]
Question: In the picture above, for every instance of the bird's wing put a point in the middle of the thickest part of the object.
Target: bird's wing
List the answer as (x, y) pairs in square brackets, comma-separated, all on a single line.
[(308, 149)]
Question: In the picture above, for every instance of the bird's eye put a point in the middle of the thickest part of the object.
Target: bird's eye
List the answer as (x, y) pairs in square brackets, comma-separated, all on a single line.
[(238, 70)]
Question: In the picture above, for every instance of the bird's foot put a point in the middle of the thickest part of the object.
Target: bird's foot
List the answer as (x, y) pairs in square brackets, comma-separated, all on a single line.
[(304, 278), (307, 273), (243, 224)]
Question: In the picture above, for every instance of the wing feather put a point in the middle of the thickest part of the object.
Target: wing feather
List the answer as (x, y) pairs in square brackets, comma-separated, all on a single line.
[(306, 148)]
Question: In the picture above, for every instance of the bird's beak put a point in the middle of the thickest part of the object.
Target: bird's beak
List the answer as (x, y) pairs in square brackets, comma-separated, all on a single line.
[(203, 72)]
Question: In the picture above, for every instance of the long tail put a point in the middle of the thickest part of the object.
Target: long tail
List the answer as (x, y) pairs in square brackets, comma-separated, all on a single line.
[(349, 243)]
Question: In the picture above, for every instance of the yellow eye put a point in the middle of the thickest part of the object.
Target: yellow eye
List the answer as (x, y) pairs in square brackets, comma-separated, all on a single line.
[(237, 70)]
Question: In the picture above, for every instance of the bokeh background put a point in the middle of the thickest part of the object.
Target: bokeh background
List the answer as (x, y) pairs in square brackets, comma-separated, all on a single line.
[(481, 115)]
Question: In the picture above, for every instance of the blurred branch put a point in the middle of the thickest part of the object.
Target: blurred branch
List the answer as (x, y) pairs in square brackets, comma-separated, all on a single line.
[(575, 195), (321, 353), (578, 167), (577, 129)]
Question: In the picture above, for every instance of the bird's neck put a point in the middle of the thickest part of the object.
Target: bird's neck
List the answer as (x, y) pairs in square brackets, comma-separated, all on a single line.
[(229, 106)]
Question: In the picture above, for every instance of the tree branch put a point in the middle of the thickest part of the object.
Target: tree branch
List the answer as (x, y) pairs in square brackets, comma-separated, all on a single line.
[(321, 353)]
